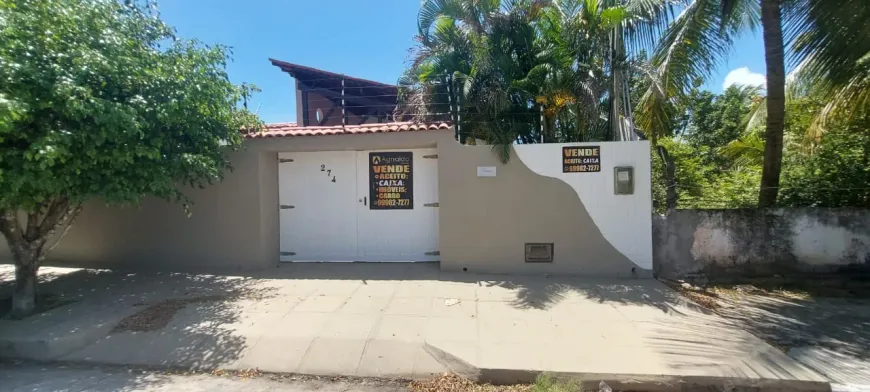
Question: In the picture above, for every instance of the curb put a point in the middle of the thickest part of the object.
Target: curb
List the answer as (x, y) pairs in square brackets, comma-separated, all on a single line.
[(46, 349), (641, 382)]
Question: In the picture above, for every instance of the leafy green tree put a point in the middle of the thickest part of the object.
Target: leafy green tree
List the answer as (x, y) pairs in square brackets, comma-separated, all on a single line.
[(715, 120), (828, 169), (836, 174), (100, 100), (831, 169)]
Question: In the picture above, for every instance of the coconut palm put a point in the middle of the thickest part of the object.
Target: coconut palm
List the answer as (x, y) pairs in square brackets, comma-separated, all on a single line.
[(829, 38)]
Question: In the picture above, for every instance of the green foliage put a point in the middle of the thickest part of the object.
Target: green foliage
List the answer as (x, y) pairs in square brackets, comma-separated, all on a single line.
[(832, 50), (836, 173), (100, 99), (831, 169), (718, 119), (687, 52), (524, 71), (699, 183), (748, 150), (547, 383)]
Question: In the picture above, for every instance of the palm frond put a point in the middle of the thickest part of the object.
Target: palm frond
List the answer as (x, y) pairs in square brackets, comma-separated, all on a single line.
[(431, 10), (831, 47), (757, 115), (646, 21), (691, 47), (745, 151)]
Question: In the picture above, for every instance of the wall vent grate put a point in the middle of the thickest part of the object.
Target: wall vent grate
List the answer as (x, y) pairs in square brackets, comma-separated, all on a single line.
[(537, 252)]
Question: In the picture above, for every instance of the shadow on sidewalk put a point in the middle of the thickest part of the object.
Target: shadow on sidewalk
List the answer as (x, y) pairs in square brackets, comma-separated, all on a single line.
[(171, 319), (30, 376), (536, 292)]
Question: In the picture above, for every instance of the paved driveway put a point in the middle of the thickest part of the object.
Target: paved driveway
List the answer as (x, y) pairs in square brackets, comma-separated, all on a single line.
[(403, 320)]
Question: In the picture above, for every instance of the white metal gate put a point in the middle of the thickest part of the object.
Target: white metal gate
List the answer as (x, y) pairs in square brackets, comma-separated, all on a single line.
[(326, 211)]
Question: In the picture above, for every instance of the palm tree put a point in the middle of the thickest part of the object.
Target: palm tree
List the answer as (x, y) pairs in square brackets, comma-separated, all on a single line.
[(824, 35), (527, 71), (473, 51), (774, 58), (568, 83)]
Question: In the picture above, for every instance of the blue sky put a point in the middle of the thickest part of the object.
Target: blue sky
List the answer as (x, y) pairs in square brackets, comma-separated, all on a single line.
[(366, 39)]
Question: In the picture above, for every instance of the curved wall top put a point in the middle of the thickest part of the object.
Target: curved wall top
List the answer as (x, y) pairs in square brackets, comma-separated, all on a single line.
[(624, 220)]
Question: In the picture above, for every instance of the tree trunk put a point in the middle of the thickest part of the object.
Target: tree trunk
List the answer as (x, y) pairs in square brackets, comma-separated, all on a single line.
[(24, 296), (28, 246), (670, 179), (550, 129), (771, 22)]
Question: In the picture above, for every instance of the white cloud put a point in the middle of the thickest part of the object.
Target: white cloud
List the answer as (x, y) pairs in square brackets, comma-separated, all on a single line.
[(743, 76)]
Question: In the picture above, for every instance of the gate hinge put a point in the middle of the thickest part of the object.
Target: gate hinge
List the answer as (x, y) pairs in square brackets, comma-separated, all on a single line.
[(286, 207), (285, 160), (288, 253), (434, 156), (436, 204), (433, 253)]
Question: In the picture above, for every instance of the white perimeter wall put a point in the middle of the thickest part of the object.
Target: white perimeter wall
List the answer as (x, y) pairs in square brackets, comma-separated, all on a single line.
[(624, 220)]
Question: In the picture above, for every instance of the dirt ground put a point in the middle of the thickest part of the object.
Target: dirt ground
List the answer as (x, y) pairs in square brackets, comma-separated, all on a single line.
[(33, 376), (822, 321)]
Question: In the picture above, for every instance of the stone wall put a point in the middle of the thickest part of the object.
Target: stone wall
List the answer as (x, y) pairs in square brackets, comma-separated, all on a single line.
[(717, 242)]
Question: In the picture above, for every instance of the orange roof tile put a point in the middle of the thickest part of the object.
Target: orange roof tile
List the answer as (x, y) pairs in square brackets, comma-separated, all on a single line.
[(292, 129)]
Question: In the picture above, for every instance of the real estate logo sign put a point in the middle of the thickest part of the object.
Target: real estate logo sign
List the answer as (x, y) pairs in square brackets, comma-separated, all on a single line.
[(391, 180), (581, 159)]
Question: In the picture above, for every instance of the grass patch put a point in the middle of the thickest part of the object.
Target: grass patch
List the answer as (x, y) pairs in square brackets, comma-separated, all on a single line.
[(547, 383), (454, 383), (44, 303)]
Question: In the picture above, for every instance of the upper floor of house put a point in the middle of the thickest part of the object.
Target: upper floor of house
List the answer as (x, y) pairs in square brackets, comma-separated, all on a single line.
[(329, 99)]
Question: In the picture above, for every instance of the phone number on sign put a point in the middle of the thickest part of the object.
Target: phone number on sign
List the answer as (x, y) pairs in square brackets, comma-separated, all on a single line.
[(393, 202), (583, 168)]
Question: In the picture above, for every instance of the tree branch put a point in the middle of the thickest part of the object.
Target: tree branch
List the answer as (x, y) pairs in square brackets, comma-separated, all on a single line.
[(33, 223), (9, 225), (56, 211), (12, 231), (67, 220)]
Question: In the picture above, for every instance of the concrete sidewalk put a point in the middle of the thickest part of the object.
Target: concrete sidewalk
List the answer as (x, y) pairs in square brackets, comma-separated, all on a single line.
[(410, 321)]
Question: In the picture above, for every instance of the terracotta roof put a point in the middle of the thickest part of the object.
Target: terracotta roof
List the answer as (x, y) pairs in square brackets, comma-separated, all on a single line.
[(292, 129)]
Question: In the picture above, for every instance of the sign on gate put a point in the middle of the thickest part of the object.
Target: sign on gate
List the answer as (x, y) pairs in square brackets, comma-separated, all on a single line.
[(391, 181), (581, 159)]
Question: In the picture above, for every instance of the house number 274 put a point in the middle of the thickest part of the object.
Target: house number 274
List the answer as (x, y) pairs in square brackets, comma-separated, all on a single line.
[(328, 172)]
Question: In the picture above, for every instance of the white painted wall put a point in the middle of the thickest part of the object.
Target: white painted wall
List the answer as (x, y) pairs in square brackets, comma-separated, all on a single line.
[(624, 220), (689, 242), (817, 243)]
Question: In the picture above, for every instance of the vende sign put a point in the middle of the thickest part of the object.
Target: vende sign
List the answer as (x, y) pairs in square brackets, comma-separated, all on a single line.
[(581, 159), (391, 180)]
